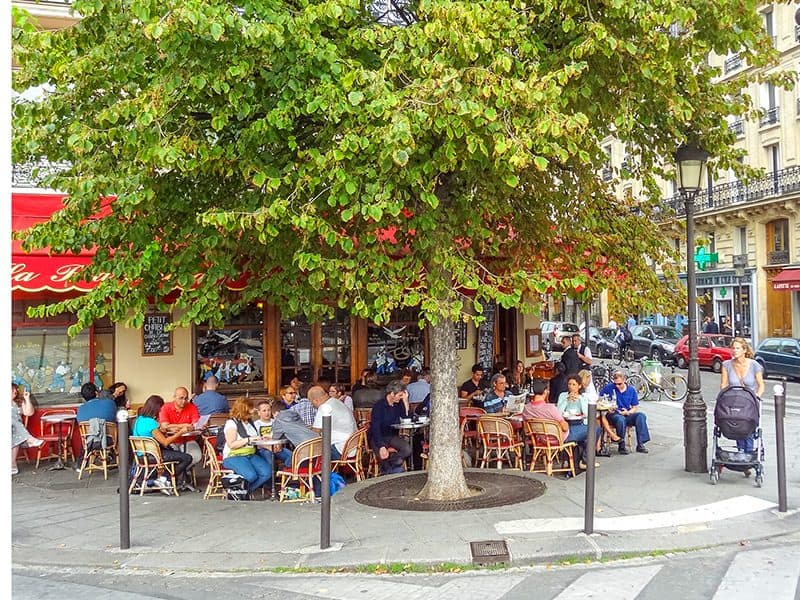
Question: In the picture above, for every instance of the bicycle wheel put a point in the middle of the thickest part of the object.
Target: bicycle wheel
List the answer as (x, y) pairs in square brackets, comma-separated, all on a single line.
[(674, 387), (640, 384)]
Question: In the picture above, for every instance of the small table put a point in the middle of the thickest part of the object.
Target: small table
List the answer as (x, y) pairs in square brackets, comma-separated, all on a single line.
[(59, 418), (605, 447), (190, 436), (410, 430), (269, 444)]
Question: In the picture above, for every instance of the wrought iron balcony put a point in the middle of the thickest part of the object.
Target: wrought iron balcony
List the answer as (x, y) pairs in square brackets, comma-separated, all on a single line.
[(732, 63), (721, 196), (778, 257), (31, 175), (737, 127), (607, 173), (770, 116)]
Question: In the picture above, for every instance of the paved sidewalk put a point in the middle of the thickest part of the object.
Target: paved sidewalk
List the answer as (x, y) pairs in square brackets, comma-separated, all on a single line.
[(644, 503)]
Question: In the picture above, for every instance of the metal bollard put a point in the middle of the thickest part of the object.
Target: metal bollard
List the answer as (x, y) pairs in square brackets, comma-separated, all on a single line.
[(591, 440), (779, 391), (325, 513), (122, 462)]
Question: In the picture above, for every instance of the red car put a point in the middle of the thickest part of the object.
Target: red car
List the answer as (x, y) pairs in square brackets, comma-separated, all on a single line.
[(712, 349)]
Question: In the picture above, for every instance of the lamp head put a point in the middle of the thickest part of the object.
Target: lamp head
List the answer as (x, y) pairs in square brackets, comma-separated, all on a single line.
[(691, 161)]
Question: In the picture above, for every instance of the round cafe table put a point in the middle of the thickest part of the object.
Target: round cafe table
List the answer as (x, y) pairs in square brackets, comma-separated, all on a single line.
[(59, 418), (410, 430), (270, 444)]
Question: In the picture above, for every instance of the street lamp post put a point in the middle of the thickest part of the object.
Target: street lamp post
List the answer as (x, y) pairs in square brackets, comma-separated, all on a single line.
[(691, 162)]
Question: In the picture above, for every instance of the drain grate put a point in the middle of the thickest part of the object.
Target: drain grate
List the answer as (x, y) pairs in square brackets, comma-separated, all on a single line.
[(489, 552)]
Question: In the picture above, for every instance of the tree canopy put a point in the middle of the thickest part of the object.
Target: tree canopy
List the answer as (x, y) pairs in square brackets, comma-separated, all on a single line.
[(335, 160)]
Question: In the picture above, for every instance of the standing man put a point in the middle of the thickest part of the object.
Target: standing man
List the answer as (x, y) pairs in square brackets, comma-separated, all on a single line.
[(627, 412), (569, 357), (712, 325), (210, 401), (631, 322), (612, 324), (420, 388), (584, 354), (474, 386), (342, 422), (390, 449), (180, 416)]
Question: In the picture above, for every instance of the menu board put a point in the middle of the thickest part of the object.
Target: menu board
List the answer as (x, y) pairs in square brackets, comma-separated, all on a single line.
[(485, 354), (461, 335), (156, 339)]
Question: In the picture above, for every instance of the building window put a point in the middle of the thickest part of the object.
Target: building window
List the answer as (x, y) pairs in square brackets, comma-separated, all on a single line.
[(53, 365), (769, 27), (770, 111), (400, 344), (234, 353), (733, 62), (608, 171), (778, 242), (740, 240), (313, 351)]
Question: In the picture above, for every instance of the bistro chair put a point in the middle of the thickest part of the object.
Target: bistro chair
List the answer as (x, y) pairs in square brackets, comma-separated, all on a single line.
[(149, 463), (499, 444), (54, 434), (548, 453), (214, 488), (218, 420), (98, 458), (468, 417), (362, 416), (306, 465), (353, 454)]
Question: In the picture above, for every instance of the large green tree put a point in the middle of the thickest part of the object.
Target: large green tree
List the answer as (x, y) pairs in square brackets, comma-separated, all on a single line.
[(438, 154)]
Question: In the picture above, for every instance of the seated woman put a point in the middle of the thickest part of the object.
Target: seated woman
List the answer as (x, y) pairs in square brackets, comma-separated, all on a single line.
[(239, 454), (574, 406), (146, 425), (20, 436), (590, 392)]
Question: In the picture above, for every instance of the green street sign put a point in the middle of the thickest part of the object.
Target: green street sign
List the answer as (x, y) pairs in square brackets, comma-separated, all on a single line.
[(703, 257)]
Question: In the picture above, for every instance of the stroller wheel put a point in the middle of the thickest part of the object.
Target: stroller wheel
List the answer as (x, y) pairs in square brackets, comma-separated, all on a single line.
[(713, 475), (748, 472)]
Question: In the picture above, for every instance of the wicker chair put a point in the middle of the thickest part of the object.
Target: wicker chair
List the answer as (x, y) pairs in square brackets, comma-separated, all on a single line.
[(548, 453), (148, 461), (98, 459), (353, 454), (306, 465), (498, 442), (214, 488)]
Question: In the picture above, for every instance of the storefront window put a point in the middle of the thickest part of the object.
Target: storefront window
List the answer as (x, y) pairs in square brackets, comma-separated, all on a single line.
[(235, 353), (53, 365), (313, 351), (397, 345)]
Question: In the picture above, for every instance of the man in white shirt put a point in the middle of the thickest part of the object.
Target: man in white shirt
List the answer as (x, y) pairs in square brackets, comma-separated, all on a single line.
[(420, 388), (343, 424)]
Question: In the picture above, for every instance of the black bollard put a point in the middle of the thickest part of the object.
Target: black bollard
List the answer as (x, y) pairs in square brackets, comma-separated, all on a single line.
[(122, 463), (780, 448), (591, 440), (325, 513)]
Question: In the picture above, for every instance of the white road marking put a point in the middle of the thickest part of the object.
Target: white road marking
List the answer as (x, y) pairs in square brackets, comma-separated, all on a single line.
[(486, 587), (771, 574), (716, 511), (619, 584)]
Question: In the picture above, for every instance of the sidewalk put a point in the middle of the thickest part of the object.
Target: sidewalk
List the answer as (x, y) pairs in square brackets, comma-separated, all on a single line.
[(60, 521)]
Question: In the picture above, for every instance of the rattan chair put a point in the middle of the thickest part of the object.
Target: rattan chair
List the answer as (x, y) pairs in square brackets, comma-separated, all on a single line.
[(214, 488), (149, 462), (498, 442), (306, 465), (353, 454), (98, 458), (549, 454)]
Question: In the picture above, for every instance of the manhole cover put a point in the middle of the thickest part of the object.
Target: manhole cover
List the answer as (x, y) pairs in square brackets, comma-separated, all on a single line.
[(495, 489), (489, 552)]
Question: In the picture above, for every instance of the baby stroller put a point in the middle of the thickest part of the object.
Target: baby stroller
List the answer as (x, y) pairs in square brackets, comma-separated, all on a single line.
[(737, 416)]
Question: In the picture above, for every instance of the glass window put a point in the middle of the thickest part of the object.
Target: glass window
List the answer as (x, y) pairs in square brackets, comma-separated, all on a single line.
[(397, 345), (313, 351), (235, 353)]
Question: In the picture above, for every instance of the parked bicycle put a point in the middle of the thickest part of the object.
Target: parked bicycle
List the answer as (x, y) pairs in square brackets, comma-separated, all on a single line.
[(621, 357), (655, 378), (602, 373)]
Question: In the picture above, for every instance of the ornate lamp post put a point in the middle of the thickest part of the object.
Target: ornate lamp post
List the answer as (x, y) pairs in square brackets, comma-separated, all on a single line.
[(691, 162)]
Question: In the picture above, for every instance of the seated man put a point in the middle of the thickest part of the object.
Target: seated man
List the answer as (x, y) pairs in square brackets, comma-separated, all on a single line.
[(627, 412), (343, 425), (540, 408), (474, 386), (496, 399), (303, 407), (390, 449), (210, 401), (287, 424), (180, 416), (94, 408)]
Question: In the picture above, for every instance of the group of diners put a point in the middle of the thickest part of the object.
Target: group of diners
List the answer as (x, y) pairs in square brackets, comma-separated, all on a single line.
[(564, 398)]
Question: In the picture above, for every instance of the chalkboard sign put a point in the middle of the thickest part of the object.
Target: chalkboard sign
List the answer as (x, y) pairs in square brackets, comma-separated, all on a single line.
[(485, 354), (461, 335), (155, 337)]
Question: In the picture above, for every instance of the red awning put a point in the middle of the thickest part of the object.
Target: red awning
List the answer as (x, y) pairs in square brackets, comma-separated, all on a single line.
[(788, 279), (40, 270)]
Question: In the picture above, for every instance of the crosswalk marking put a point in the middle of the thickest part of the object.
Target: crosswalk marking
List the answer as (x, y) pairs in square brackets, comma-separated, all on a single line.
[(716, 511), (619, 584), (771, 574)]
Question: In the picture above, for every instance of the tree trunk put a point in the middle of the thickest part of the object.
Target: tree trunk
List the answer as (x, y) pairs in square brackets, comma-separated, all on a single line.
[(445, 473)]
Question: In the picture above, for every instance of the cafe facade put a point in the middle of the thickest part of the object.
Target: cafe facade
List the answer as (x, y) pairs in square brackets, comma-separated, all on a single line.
[(254, 352)]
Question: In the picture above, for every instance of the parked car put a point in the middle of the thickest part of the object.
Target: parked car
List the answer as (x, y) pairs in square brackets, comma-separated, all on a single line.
[(601, 341), (655, 341), (552, 332), (712, 350), (779, 356)]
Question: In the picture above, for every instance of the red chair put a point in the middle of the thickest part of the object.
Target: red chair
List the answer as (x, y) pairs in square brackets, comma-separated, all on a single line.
[(306, 465), (468, 419)]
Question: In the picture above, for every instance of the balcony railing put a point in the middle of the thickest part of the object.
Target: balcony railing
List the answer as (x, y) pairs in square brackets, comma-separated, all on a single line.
[(778, 257), (607, 173), (31, 175), (724, 195), (737, 127), (797, 33), (732, 63), (770, 116)]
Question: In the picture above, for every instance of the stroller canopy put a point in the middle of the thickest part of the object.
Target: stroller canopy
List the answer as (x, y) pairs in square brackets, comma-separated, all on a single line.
[(737, 412)]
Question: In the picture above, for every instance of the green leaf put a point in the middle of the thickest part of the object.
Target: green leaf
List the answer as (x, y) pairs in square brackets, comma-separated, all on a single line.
[(355, 97), (400, 157)]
